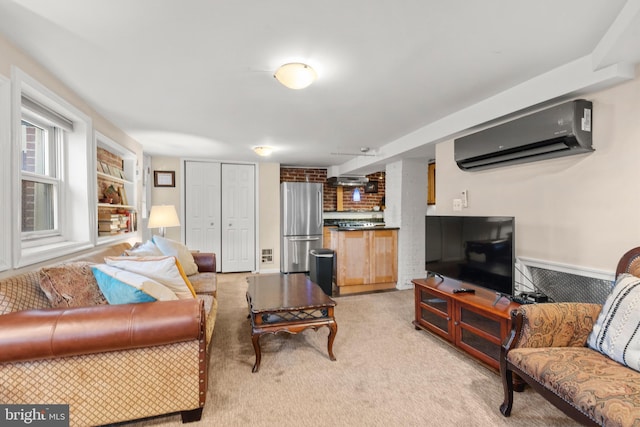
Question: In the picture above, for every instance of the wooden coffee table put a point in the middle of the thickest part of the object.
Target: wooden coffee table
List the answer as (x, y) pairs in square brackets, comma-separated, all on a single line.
[(288, 303)]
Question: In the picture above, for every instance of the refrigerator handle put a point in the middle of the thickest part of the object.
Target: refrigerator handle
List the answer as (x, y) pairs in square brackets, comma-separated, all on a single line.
[(320, 209), (305, 239)]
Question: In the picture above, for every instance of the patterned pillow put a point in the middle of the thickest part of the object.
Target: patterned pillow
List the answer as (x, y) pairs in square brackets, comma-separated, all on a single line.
[(615, 333), (71, 285), (172, 248), (124, 287)]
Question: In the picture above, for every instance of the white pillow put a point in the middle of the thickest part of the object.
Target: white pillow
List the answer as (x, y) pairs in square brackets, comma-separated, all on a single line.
[(614, 333), (124, 287), (146, 249), (172, 248), (163, 269)]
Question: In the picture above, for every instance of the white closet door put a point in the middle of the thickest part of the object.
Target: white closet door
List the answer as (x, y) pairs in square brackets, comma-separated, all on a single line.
[(202, 207), (238, 218)]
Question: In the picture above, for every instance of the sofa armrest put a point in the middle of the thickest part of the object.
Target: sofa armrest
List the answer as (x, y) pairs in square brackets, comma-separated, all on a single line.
[(552, 325), (52, 333), (206, 261)]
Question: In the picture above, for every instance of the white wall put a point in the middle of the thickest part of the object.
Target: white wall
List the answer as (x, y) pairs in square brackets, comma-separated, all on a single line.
[(406, 205), (10, 56), (168, 195), (269, 215), (580, 211)]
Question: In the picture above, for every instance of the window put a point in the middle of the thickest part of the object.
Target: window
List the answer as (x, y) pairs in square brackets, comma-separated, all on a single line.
[(41, 147), (54, 149)]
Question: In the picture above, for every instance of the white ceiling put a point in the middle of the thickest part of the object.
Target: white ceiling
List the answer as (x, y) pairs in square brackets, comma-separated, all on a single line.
[(193, 78)]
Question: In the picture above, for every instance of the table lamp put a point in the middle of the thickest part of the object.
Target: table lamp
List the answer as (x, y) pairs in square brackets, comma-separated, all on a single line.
[(163, 216)]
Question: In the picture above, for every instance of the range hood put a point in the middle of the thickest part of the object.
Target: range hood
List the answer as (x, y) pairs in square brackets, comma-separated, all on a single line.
[(348, 181)]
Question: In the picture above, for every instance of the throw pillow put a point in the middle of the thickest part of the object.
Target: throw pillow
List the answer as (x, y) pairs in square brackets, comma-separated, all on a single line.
[(615, 333), (172, 248), (165, 269), (71, 285), (146, 249), (124, 287)]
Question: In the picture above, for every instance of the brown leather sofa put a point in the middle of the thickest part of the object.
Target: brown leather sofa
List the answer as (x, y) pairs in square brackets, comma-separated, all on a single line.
[(547, 350), (109, 363)]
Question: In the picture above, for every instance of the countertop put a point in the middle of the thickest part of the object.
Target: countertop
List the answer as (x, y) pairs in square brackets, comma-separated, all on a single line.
[(379, 227)]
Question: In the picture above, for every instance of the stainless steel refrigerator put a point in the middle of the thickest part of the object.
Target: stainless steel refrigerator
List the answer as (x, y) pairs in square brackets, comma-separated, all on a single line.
[(300, 224)]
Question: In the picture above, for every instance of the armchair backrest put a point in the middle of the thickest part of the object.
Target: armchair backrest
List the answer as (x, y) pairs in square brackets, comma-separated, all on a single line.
[(629, 263)]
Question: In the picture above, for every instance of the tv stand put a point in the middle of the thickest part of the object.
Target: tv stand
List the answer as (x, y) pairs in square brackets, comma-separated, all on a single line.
[(474, 322)]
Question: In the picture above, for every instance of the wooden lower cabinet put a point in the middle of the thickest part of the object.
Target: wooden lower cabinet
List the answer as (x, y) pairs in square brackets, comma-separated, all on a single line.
[(384, 256), (475, 323), (366, 260), (326, 235)]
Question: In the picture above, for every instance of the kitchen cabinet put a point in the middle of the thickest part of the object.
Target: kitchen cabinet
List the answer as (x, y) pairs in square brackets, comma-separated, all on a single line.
[(326, 235), (365, 260), (431, 184), (384, 256), (475, 323)]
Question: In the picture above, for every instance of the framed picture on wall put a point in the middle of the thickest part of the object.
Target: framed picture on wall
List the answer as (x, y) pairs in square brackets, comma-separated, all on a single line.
[(164, 178), (371, 187)]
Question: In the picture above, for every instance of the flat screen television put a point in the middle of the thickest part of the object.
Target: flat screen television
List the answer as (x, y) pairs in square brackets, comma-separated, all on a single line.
[(473, 249)]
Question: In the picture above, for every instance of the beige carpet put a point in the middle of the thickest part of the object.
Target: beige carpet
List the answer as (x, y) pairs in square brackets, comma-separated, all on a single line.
[(386, 373)]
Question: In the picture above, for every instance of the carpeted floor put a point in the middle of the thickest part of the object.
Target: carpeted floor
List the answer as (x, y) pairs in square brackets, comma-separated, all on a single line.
[(386, 373)]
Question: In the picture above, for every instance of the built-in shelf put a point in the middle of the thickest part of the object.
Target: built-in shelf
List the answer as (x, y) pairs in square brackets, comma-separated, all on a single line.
[(104, 176), (111, 205), (115, 220)]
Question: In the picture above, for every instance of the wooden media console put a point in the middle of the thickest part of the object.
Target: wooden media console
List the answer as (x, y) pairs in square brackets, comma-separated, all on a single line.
[(474, 322)]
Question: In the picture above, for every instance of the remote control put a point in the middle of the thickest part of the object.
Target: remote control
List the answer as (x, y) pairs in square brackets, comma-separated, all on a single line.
[(464, 290)]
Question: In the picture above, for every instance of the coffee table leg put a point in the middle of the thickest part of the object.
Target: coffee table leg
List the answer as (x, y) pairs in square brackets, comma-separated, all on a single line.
[(333, 330), (255, 339)]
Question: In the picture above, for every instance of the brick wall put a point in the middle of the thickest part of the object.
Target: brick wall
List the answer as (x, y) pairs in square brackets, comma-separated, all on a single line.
[(367, 200)]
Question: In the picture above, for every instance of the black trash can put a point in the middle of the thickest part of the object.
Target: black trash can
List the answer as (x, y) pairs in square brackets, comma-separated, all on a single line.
[(321, 268)]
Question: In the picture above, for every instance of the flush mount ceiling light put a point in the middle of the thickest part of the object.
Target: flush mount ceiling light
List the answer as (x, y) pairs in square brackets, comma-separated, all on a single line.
[(263, 151), (295, 75)]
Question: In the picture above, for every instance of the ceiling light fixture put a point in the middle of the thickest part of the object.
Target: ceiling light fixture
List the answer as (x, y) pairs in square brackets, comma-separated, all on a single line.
[(295, 75), (263, 150)]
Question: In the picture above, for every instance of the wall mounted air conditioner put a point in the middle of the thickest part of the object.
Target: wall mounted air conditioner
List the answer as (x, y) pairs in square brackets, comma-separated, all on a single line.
[(562, 130)]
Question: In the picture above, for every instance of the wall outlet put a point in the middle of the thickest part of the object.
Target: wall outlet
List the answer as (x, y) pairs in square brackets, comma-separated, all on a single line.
[(457, 204)]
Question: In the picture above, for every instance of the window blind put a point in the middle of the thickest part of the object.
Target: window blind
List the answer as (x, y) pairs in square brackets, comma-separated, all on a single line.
[(48, 114)]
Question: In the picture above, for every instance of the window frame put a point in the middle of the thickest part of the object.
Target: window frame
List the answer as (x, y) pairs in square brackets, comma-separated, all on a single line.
[(6, 258), (77, 217), (55, 154)]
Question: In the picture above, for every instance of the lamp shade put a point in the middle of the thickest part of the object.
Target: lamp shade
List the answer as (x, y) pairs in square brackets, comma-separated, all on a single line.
[(295, 75), (163, 216)]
